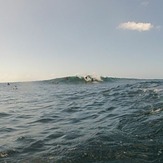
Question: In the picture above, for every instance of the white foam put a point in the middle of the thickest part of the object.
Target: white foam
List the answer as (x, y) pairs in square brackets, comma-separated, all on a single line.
[(157, 110), (90, 78)]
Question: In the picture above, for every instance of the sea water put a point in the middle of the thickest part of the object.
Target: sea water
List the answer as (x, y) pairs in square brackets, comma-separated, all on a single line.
[(68, 120)]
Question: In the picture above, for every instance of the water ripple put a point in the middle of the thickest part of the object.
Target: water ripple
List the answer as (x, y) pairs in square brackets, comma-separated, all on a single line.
[(118, 121)]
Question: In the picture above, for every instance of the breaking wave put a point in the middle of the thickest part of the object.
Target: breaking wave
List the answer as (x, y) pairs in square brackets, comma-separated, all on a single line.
[(81, 79)]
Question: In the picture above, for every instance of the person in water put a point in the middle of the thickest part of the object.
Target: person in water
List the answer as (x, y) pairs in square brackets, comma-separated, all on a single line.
[(88, 78)]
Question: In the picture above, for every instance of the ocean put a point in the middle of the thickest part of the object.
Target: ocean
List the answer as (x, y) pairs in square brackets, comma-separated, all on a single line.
[(69, 120)]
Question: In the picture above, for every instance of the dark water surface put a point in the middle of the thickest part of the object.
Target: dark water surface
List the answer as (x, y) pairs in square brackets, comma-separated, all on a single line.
[(115, 121)]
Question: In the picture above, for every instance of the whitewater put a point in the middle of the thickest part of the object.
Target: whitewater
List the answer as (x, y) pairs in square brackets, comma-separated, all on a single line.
[(70, 120)]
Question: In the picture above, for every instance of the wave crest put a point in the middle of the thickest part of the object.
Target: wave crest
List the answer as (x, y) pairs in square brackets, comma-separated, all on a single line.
[(80, 79)]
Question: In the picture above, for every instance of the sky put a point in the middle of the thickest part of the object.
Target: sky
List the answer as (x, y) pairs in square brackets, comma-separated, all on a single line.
[(45, 39)]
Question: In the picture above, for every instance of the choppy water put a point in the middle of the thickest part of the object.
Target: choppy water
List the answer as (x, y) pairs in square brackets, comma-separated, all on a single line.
[(114, 121)]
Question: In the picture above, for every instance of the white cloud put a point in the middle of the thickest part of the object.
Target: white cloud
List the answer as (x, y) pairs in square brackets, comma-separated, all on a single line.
[(145, 3), (136, 26), (158, 27)]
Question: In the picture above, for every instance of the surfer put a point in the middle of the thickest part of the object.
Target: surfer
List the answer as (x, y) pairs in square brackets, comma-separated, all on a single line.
[(15, 87), (88, 78)]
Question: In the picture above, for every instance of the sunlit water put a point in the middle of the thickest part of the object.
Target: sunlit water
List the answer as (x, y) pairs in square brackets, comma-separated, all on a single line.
[(115, 121)]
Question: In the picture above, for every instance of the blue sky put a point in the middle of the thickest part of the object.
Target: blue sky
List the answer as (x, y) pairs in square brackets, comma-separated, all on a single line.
[(44, 39)]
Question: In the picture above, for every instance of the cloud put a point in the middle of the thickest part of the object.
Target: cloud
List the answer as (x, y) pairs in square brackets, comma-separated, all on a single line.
[(145, 3), (158, 27), (136, 26)]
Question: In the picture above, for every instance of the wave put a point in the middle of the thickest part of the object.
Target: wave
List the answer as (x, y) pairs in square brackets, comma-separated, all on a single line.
[(81, 79)]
